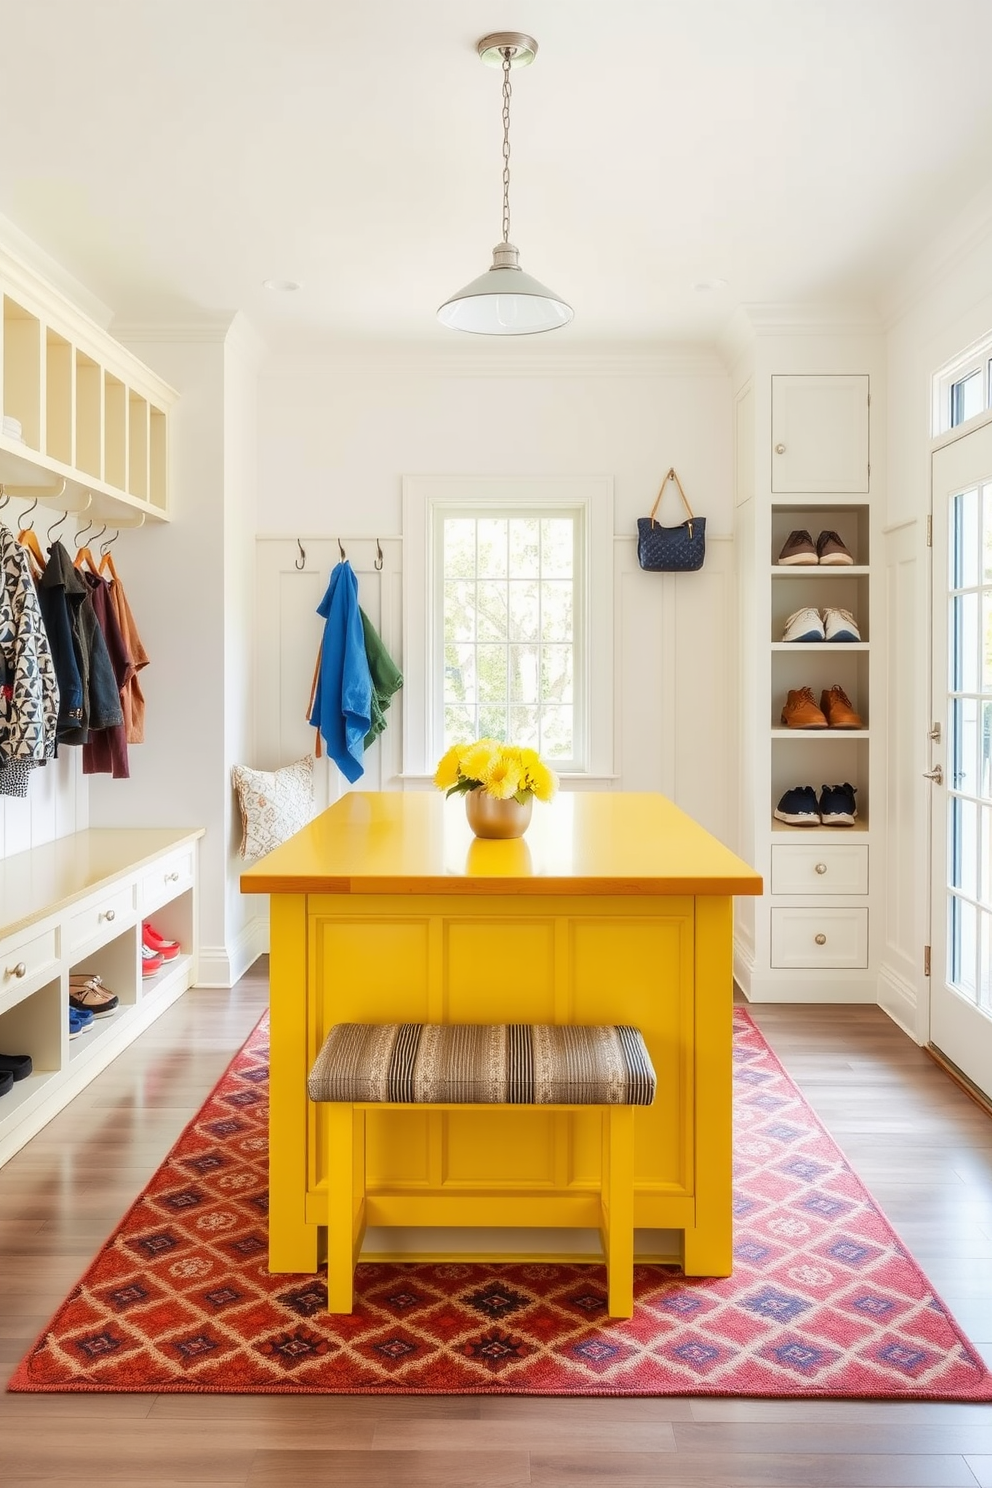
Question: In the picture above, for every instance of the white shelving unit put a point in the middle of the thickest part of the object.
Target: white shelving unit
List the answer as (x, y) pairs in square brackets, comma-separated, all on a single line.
[(94, 421), (77, 905), (808, 938)]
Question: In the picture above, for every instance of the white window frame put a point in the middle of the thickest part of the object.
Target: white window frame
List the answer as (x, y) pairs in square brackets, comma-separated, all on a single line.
[(975, 358), (424, 498)]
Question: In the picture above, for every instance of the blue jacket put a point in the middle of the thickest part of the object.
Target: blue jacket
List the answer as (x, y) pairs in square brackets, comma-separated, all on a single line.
[(342, 703)]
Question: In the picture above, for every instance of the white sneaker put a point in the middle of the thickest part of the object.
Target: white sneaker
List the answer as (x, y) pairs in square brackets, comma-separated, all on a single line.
[(804, 625), (840, 625)]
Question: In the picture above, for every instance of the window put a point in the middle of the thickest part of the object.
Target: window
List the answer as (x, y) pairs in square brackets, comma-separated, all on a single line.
[(509, 631), (969, 858), (508, 618), (962, 389)]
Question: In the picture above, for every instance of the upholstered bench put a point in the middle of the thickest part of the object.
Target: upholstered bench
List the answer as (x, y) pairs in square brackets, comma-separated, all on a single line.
[(457, 1065)]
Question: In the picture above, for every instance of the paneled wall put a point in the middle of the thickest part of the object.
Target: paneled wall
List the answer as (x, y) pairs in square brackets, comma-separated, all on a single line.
[(57, 803)]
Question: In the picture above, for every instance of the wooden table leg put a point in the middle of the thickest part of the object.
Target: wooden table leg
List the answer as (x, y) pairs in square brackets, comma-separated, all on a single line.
[(292, 1241)]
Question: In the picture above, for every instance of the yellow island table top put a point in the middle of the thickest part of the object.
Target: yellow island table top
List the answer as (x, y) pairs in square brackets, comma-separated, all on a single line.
[(584, 842)]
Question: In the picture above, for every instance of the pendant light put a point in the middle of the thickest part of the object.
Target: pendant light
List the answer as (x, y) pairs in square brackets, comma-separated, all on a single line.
[(505, 301)]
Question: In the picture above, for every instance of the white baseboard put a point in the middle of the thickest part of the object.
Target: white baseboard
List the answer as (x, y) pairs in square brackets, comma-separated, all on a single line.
[(222, 966), (898, 998), (743, 965), (800, 987)]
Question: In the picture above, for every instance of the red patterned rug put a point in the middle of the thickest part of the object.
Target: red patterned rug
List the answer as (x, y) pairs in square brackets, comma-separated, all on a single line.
[(824, 1300)]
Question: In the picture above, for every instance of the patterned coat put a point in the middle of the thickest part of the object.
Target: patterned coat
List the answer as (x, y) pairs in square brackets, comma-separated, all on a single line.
[(29, 699)]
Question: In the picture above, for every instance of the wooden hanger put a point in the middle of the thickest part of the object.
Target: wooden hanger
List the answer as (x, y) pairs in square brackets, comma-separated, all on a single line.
[(28, 538), (84, 556), (107, 558)]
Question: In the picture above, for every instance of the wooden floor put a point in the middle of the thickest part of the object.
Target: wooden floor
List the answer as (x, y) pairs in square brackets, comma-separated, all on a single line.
[(922, 1147)]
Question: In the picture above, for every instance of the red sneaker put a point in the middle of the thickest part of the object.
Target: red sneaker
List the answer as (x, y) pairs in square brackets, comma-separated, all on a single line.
[(151, 961), (167, 949)]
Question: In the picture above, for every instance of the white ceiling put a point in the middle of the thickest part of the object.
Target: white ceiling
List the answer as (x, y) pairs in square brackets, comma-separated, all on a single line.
[(173, 154)]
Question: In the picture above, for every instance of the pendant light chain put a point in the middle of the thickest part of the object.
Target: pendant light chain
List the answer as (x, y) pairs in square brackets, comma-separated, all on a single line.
[(506, 144)]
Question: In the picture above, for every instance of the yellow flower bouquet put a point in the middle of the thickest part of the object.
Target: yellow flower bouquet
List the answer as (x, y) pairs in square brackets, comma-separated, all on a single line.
[(502, 771)]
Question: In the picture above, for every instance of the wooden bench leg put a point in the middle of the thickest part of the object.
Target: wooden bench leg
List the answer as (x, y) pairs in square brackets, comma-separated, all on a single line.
[(345, 1133), (618, 1209)]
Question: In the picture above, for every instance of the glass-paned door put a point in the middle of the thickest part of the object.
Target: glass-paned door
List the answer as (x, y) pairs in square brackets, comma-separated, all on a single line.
[(961, 890)]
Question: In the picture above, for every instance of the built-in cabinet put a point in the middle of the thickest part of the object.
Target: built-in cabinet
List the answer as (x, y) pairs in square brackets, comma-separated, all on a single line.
[(803, 446), (77, 905), (83, 423)]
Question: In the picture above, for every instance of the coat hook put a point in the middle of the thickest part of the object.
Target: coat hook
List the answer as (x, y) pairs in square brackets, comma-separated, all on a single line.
[(83, 531), (25, 524), (4, 498), (377, 565), (106, 546), (63, 518), (341, 550), (300, 563), (97, 535)]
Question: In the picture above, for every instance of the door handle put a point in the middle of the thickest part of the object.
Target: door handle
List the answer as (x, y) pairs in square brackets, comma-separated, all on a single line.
[(936, 775)]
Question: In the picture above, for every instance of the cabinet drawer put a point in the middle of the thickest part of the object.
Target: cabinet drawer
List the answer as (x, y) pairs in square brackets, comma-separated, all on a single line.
[(824, 868), (23, 963), (102, 919), (168, 878), (820, 937)]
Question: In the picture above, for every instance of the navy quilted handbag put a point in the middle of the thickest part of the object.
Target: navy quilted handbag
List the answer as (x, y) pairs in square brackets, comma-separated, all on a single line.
[(678, 549)]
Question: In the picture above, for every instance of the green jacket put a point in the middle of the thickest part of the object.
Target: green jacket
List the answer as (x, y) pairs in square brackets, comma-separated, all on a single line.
[(386, 678)]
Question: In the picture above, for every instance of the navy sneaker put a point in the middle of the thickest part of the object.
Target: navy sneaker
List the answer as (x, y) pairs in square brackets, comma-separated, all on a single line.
[(798, 807), (837, 805)]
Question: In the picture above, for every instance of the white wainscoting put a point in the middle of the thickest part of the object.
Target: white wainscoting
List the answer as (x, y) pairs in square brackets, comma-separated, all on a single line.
[(289, 634), (675, 692), (56, 804)]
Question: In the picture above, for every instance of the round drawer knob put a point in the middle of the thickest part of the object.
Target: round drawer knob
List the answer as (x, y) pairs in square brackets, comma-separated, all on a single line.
[(17, 971), (109, 914), (172, 878), (821, 867), (820, 939), (780, 449)]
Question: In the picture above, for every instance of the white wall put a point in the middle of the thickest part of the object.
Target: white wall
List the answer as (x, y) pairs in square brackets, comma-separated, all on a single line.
[(947, 306), (338, 433)]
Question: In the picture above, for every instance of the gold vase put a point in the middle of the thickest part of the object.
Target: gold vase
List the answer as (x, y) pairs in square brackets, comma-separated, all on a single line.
[(490, 817)]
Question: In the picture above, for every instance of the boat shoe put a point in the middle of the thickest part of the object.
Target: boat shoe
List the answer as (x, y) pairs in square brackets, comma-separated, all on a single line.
[(87, 994)]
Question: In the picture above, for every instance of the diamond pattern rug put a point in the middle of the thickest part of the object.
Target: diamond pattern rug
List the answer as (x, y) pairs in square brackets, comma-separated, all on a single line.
[(824, 1299)]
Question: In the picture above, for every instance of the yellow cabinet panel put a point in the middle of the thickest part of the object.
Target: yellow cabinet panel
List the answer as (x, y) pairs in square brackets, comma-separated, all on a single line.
[(508, 1150), (499, 970), (371, 969)]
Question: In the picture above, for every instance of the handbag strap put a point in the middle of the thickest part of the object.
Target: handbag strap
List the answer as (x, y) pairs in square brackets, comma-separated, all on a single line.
[(672, 476)]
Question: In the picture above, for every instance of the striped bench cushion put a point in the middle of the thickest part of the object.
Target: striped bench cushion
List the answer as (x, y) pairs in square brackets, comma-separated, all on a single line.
[(526, 1064)]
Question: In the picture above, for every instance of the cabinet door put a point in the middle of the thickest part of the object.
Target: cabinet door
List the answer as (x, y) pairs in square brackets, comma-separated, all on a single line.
[(820, 433)]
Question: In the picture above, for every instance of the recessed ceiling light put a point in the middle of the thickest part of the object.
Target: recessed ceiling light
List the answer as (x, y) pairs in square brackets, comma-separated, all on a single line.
[(285, 285), (704, 286)]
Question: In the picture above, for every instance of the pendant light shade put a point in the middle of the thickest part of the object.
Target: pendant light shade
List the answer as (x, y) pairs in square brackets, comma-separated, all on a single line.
[(505, 301)]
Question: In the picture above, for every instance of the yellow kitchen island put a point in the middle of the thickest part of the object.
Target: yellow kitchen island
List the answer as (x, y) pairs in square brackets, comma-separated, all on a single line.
[(614, 908)]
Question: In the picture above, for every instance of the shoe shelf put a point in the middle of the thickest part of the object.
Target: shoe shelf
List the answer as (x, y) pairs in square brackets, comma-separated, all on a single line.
[(820, 571), (787, 829), (93, 419), (75, 906), (823, 736), (820, 646)]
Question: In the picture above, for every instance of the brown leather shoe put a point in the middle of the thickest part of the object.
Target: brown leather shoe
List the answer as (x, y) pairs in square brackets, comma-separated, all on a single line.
[(836, 704), (800, 710)]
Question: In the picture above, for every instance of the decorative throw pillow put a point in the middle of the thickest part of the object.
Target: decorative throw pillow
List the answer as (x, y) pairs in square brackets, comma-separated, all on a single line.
[(274, 804)]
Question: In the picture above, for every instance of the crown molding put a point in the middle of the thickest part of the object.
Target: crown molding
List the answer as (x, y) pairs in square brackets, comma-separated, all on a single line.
[(25, 254), (749, 323), (212, 330), (942, 256), (498, 361)]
